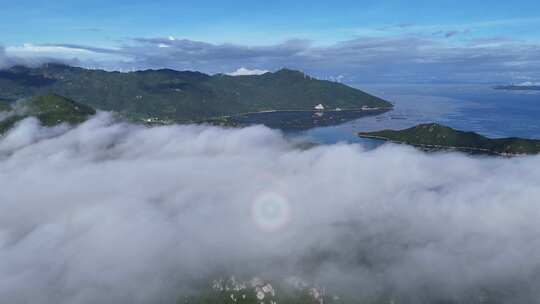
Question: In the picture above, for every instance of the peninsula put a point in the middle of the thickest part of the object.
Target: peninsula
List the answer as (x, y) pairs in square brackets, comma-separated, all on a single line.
[(436, 137)]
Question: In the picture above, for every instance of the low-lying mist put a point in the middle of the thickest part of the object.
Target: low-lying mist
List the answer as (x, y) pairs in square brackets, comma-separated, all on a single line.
[(110, 212)]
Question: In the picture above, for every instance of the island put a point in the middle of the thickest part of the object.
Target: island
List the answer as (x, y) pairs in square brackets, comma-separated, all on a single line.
[(169, 96), (528, 87), (436, 137)]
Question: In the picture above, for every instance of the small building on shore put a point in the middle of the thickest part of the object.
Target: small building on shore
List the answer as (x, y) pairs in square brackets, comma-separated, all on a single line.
[(366, 108), (319, 107)]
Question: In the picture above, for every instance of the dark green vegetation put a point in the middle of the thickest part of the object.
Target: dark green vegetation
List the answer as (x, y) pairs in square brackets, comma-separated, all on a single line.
[(518, 87), (5, 105), (173, 96), (437, 137), (8, 123), (50, 110)]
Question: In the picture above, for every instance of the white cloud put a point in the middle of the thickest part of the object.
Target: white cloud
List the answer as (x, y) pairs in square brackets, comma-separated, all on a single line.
[(32, 55), (116, 213), (243, 72), (529, 83), (383, 59), (29, 49)]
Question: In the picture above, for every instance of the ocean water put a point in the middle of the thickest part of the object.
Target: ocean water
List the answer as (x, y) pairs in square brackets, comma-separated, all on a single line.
[(478, 108)]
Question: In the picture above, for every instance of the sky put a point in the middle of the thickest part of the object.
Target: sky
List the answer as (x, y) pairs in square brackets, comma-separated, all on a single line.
[(392, 41)]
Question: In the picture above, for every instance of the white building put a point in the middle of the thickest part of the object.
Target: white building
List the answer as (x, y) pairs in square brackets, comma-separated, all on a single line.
[(366, 108), (319, 107)]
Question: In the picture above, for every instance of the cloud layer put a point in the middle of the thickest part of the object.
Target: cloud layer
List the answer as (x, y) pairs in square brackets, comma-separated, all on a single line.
[(243, 72), (110, 212), (399, 58), (5, 60)]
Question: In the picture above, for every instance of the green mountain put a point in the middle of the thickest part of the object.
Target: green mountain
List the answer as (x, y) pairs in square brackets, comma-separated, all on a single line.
[(168, 95), (50, 109), (438, 137)]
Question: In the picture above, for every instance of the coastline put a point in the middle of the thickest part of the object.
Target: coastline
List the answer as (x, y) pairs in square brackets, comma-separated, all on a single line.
[(232, 120), (303, 110), (431, 148)]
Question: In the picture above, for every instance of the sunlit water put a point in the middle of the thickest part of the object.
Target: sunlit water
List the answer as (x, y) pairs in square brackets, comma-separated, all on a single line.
[(477, 108)]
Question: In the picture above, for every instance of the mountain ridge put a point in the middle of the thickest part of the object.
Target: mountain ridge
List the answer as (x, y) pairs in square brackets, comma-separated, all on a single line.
[(182, 96)]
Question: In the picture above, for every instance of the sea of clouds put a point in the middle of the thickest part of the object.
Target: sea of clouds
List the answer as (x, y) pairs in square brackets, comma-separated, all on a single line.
[(110, 212)]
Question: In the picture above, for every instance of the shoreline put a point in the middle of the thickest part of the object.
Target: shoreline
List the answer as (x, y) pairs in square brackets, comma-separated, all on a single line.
[(266, 117), (313, 111)]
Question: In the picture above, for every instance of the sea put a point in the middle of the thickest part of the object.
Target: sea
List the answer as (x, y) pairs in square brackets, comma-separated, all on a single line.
[(478, 108)]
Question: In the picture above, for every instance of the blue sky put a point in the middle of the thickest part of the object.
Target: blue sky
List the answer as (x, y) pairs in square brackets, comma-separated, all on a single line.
[(253, 22), (128, 28)]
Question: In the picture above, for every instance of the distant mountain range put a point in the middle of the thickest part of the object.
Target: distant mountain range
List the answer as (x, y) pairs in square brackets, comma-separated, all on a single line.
[(433, 137), (512, 87), (174, 96)]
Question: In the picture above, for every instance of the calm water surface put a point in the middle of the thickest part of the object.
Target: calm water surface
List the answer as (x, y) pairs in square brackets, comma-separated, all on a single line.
[(477, 108)]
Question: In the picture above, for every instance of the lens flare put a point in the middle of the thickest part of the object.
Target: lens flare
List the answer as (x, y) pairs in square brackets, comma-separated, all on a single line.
[(271, 211)]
